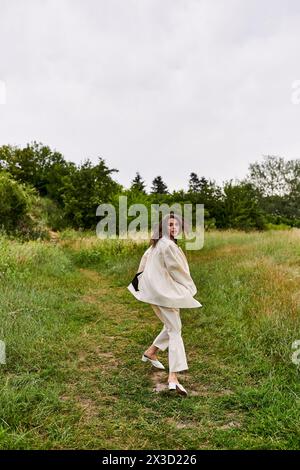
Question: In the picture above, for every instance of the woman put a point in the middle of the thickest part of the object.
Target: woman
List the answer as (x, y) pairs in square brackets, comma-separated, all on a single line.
[(163, 280)]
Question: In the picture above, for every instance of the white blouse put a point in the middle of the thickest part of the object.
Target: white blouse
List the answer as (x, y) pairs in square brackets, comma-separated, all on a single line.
[(166, 278)]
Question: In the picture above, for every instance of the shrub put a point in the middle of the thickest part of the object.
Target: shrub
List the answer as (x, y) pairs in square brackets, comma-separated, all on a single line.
[(19, 209)]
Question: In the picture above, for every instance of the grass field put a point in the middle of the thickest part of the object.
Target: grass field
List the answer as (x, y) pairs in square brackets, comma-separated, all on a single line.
[(74, 336)]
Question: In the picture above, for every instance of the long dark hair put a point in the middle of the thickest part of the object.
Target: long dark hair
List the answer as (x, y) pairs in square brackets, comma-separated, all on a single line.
[(162, 228)]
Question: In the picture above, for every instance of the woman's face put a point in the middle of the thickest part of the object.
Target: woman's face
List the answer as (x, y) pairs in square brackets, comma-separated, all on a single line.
[(173, 227)]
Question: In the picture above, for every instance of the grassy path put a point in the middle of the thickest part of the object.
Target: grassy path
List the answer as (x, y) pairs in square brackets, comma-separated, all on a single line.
[(75, 335), (125, 402)]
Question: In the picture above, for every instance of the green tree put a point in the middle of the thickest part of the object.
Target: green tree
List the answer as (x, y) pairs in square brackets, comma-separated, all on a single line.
[(274, 175), (207, 192), (241, 207), (158, 186), (37, 165), (278, 184), (194, 183), (84, 189), (15, 203), (138, 184)]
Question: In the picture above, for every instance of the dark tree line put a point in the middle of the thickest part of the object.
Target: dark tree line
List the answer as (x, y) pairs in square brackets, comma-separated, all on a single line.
[(38, 184)]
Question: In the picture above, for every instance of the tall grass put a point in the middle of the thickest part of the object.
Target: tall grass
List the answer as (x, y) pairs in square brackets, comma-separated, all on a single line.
[(74, 336)]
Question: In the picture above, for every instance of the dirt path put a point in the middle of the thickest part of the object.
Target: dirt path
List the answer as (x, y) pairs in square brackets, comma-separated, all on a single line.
[(112, 389)]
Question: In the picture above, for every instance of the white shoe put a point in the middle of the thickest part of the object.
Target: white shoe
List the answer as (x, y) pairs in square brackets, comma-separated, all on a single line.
[(155, 363), (178, 387)]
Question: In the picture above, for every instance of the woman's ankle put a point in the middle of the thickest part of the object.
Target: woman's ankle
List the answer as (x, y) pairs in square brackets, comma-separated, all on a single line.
[(172, 378), (151, 352)]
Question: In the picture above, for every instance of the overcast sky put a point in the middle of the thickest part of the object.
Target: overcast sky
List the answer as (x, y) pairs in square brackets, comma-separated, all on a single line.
[(163, 87)]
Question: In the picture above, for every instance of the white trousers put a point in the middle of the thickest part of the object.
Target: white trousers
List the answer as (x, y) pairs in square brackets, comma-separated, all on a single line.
[(170, 337)]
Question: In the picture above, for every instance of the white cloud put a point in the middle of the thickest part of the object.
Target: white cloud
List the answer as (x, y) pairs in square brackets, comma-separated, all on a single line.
[(160, 87)]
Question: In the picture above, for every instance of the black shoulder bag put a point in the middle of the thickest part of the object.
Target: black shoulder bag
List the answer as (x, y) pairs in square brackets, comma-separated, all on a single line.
[(135, 280)]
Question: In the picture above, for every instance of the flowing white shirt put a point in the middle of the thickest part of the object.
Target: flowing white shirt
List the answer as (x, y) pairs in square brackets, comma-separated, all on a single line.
[(165, 278)]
